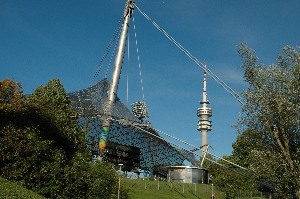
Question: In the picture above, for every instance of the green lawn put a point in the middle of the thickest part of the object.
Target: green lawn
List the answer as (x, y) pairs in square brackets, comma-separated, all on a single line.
[(13, 190), (148, 189), (138, 188)]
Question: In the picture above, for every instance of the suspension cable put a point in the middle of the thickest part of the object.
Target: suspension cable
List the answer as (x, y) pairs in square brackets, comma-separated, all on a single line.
[(111, 57), (194, 59), (208, 159), (107, 51), (128, 63), (171, 143), (179, 140), (220, 158), (138, 57)]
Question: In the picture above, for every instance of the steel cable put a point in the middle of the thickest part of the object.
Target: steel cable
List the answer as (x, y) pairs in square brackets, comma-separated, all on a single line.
[(194, 59)]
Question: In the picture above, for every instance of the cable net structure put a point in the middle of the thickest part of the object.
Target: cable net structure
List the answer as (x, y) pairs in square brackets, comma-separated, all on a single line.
[(128, 138), (135, 148)]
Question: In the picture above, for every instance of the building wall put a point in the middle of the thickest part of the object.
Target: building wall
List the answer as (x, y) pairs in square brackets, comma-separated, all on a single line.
[(188, 175)]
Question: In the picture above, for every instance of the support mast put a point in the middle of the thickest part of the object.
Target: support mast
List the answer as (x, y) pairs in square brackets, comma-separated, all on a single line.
[(204, 112), (129, 7)]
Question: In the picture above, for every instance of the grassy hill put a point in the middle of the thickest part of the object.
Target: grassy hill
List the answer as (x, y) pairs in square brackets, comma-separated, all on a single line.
[(164, 190), (147, 189), (138, 189), (13, 190)]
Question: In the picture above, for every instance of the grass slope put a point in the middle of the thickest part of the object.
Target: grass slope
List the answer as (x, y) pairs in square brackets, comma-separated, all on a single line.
[(13, 190), (164, 190), (147, 189), (138, 188)]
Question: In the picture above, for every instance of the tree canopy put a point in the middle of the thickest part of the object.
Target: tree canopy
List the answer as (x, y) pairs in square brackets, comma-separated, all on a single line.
[(270, 125), (42, 146), (268, 143)]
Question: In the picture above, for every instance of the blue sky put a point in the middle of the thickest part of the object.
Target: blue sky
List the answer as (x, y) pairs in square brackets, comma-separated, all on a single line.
[(41, 40)]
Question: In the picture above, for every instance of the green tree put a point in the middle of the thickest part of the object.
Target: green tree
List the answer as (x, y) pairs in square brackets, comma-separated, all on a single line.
[(85, 179), (35, 146), (272, 111), (11, 94), (244, 144), (231, 179), (52, 100), (42, 147)]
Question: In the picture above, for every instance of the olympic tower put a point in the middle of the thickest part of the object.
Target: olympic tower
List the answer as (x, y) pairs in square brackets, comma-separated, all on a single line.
[(204, 112)]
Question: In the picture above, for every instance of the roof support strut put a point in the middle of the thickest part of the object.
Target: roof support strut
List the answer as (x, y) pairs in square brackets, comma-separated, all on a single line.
[(129, 7)]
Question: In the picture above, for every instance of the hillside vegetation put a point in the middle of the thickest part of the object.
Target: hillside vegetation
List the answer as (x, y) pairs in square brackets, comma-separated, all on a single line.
[(43, 148), (13, 190), (137, 188)]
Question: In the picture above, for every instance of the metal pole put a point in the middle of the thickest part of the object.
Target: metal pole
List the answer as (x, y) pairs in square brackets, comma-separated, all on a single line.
[(204, 151), (115, 78), (119, 188)]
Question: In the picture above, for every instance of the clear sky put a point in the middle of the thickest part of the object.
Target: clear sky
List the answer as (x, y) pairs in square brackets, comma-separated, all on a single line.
[(42, 39)]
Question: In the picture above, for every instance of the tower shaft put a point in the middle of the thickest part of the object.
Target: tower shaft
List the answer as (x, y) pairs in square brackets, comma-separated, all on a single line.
[(204, 112)]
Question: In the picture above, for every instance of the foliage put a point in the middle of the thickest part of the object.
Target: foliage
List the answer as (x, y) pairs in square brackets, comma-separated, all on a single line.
[(43, 148), (245, 143), (13, 190), (11, 94), (271, 115), (102, 183), (91, 180), (34, 145), (53, 102), (230, 179)]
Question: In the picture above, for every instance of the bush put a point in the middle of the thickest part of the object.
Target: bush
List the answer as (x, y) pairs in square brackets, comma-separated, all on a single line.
[(42, 147)]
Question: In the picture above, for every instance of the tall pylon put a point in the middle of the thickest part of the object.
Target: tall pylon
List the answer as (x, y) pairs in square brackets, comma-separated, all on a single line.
[(113, 89), (204, 112)]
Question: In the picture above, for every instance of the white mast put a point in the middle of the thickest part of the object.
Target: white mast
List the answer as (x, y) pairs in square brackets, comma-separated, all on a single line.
[(115, 78), (204, 124)]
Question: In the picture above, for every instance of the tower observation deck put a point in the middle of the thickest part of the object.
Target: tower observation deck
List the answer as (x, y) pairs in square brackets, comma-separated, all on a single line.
[(204, 112)]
